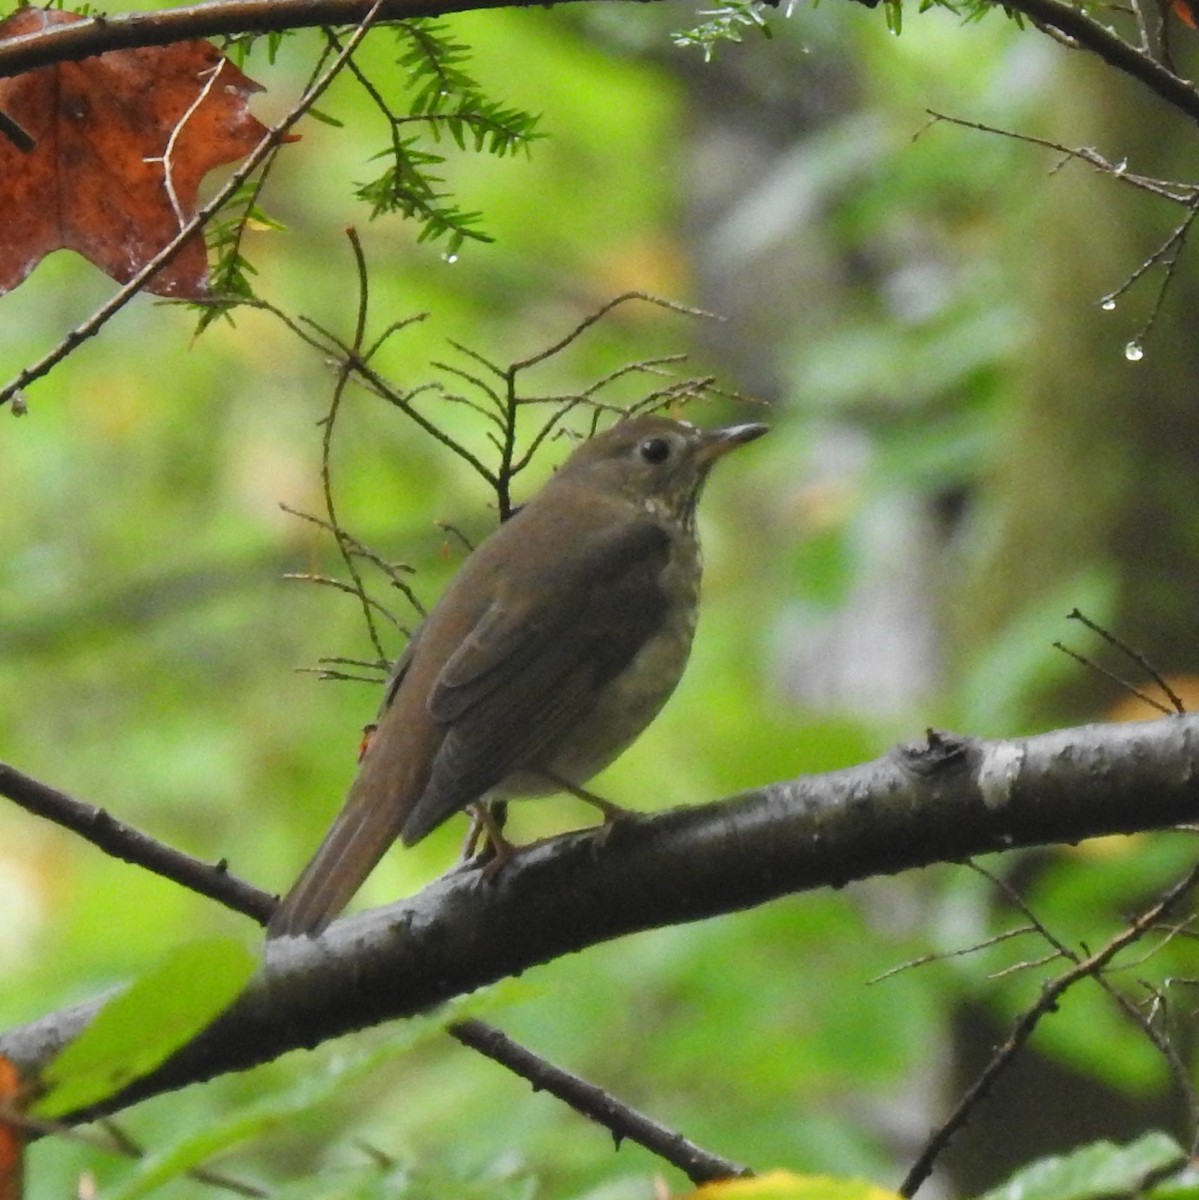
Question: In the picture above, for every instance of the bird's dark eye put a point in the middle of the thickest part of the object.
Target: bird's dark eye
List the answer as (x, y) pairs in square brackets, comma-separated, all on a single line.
[(655, 450)]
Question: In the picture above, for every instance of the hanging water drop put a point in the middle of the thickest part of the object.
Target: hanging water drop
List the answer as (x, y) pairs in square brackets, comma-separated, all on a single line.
[(1134, 351), (1109, 304), (449, 258)]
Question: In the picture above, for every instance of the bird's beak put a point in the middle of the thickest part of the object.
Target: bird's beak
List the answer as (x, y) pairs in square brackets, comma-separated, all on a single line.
[(716, 443)]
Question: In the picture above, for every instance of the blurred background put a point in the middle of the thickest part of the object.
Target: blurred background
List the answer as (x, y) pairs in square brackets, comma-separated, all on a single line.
[(961, 453)]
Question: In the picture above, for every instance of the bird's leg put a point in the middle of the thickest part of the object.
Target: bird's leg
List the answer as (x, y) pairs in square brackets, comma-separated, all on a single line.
[(610, 812), (489, 818), (499, 815)]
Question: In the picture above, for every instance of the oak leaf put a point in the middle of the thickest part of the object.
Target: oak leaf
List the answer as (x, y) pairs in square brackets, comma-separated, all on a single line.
[(121, 142)]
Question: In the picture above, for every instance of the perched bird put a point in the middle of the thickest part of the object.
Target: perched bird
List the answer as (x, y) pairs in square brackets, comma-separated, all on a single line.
[(555, 645)]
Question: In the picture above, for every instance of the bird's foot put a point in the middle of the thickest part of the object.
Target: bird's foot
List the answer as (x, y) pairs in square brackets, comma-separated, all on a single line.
[(497, 851)]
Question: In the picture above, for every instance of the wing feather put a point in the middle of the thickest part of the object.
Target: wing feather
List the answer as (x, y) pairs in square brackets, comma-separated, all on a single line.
[(530, 671)]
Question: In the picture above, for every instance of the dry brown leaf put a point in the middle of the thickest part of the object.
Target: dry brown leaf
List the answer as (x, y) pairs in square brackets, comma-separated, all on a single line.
[(11, 1139), (122, 142)]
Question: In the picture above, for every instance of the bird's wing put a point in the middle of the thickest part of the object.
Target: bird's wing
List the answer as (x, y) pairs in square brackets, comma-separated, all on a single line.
[(533, 664)]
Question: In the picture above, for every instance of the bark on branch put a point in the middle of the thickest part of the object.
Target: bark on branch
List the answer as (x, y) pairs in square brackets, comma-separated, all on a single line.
[(229, 18), (942, 800)]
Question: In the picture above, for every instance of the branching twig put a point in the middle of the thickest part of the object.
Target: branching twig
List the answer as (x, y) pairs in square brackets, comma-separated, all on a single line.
[(344, 547), (1159, 1040), (943, 956), (1167, 255), (1165, 189), (601, 312), (350, 589), (395, 572), (1136, 656), (1051, 994)]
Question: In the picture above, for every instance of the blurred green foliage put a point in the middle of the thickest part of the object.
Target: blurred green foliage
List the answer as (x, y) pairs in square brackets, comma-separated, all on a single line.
[(156, 655)]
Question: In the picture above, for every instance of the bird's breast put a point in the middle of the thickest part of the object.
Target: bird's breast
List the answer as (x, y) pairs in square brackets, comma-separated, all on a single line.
[(629, 701)]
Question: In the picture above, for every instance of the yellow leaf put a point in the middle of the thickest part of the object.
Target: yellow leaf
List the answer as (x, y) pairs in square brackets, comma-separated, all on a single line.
[(786, 1185)]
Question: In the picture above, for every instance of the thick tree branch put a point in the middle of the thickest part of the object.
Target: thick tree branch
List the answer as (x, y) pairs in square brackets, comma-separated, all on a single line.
[(943, 800), (131, 845), (213, 18), (228, 18), (1089, 34)]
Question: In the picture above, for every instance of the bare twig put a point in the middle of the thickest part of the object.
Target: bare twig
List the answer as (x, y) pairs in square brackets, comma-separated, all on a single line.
[(1160, 1041), (1119, 680), (394, 571), (1051, 994), (131, 845), (601, 312), (1178, 193), (620, 1119), (344, 547), (350, 589), (925, 959), (1135, 655)]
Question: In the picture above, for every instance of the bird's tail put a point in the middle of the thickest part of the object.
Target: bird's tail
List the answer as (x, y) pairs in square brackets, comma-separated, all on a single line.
[(358, 838)]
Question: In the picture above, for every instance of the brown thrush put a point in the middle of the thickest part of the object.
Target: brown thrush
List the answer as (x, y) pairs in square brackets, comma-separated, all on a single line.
[(556, 644)]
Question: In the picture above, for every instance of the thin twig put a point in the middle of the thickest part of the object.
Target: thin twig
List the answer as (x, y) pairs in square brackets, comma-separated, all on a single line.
[(350, 589), (599, 314), (1177, 192), (131, 845), (620, 1119), (394, 571), (343, 377), (1119, 680), (122, 1143), (1159, 1040), (925, 959), (1135, 655)]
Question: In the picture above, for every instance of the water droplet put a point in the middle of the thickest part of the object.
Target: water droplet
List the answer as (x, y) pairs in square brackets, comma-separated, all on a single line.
[(1134, 351), (1109, 304), (450, 258)]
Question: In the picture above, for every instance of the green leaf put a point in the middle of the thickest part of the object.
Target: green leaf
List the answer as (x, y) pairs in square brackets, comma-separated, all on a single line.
[(1102, 1169), (146, 1023), (325, 118), (724, 24), (313, 1090)]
